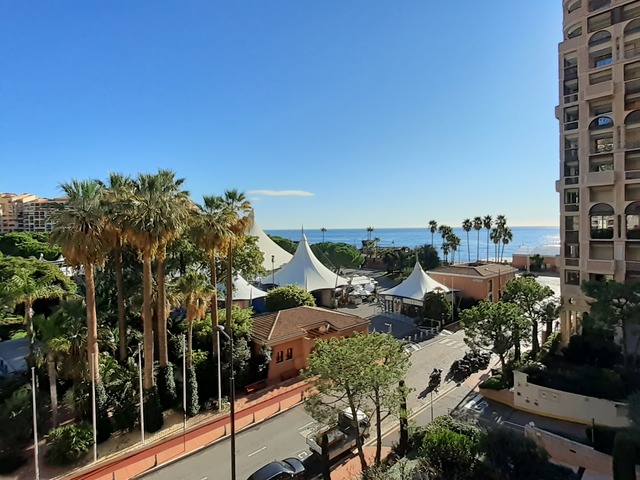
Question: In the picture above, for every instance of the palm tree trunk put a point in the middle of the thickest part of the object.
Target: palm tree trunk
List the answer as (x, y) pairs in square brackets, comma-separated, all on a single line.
[(488, 244), (214, 302), (53, 390), (229, 293), (378, 429), (190, 342), (28, 303), (92, 321), (122, 325), (468, 248), (161, 309), (478, 247), (147, 322)]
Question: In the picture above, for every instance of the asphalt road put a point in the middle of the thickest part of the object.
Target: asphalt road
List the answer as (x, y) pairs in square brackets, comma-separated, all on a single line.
[(277, 438)]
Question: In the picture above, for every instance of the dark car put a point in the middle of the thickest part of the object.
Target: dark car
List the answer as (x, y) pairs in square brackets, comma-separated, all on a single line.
[(289, 469)]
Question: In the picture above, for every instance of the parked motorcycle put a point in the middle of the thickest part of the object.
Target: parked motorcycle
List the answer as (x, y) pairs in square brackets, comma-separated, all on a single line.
[(435, 378)]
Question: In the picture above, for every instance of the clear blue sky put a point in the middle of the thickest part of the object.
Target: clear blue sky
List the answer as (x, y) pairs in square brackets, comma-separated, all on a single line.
[(382, 113)]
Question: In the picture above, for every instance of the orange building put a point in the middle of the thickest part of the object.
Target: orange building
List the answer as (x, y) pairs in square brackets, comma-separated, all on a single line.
[(479, 281), (292, 333)]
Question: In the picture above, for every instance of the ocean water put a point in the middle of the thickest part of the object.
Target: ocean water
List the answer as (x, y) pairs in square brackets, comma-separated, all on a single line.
[(412, 237)]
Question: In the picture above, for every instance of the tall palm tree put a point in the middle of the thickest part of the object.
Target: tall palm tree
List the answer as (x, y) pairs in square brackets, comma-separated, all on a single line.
[(192, 291), (507, 237), (210, 231), (240, 218), (369, 232), (445, 251), (157, 215), (323, 230), (117, 191), (501, 221), (477, 226), (466, 226), (496, 236), (79, 231), (487, 221), (433, 228), (454, 242)]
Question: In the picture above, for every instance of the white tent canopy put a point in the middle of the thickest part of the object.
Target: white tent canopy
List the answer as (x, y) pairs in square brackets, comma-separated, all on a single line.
[(243, 290), (416, 286), (269, 248), (306, 271)]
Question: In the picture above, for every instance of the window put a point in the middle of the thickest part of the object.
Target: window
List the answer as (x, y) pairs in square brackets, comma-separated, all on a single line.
[(574, 31), (572, 277), (572, 223), (632, 219), (573, 6), (570, 68), (598, 22), (602, 145), (571, 197), (601, 219), (631, 10), (289, 353), (571, 250), (601, 123), (279, 356), (631, 71), (600, 77), (600, 108)]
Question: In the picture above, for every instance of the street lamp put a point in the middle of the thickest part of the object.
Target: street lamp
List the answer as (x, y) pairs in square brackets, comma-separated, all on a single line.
[(273, 270), (232, 400)]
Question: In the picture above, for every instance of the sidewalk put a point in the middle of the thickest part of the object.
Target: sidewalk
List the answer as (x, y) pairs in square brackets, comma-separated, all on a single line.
[(123, 456)]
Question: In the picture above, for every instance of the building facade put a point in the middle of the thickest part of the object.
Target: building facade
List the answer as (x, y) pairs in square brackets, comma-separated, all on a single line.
[(599, 115), (26, 212)]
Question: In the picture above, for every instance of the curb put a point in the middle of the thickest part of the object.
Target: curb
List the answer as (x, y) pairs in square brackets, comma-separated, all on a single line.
[(215, 442)]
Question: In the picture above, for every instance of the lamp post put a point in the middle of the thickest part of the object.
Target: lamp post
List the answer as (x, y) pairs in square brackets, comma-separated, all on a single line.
[(273, 270), (232, 400)]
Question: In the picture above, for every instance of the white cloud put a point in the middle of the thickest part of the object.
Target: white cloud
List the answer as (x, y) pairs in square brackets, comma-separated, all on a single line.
[(281, 193)]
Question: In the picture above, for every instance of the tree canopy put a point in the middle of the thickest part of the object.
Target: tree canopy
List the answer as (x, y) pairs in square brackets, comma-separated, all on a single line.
[(337, 255), (289, 296), (25, 244), (285, 243)]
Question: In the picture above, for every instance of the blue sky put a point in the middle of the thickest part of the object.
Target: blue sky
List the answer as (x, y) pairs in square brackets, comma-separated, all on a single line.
[(356, 112)]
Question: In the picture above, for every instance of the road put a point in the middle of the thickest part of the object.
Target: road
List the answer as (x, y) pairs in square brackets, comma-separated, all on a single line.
[(277, 438), (284, 435)]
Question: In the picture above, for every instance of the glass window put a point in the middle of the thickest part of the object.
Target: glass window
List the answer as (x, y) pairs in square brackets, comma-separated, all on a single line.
[(289, 353), (571, 197), (573, 6), (600, 108), (572, 223), (279, 356), (631, 10), (574, 31), (572, 277), (600, 77), (598, 22)]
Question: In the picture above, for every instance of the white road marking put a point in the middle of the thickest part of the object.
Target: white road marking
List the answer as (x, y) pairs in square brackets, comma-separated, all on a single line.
[(307, 425), (257, 451), (450, 342)]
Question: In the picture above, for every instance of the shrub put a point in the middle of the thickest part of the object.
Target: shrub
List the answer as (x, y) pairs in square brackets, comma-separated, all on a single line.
[(456, 426), (153, 419), (67, 444), (166, 385), (289, 296), (16, 416), (10, 461), (592, 349), (496, 382), (450, 453), (103, 422)]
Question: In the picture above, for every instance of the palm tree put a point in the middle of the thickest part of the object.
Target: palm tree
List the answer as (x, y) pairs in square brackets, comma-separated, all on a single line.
[(193, 291), (466, 226), (477, 226), (79, 231), (496, 236), (454, 242), (240, 218), (507, 236), (433, 228), (369, 232), (501, 222), (117, 192), (157, 214), (209, 230), (25, 287), (445, 251), (323, 230), (487, 221)]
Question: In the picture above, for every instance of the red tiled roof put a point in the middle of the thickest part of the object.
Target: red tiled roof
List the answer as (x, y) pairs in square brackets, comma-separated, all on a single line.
[(276, 327), (481, 270)]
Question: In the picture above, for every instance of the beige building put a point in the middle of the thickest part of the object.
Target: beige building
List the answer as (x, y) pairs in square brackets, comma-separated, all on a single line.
[(26, 212), (599, 115), (478, 281)]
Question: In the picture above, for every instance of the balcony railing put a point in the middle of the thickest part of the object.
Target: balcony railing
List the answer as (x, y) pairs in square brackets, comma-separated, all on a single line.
[(572, 262), (572, 207), (634, 175), (598, 4), (571, 155), (632, 266), (573, 97), (631, 50), (601, 233), (571, 180), (571, 126)]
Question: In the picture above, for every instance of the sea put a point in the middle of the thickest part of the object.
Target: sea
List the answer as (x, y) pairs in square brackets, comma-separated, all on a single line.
[(413, 237)]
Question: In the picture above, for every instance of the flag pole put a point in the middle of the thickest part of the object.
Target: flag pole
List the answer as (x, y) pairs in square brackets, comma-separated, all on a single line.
[(93, 406), (36, 450), (141, 394)]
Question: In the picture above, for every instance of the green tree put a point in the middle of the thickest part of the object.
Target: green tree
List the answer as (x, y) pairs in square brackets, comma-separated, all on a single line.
[(615, 305), (494, 327), (487, 221), (496, 237), (427, 256), (26, 244), (477, 226), (285, 243), (451, 455), (507, 237), (369, 232), (467, 225), (433, 228), (454, 242), (437, 307), (323, 230), (338, 255), (79, 230), (533, 299), (289, 296)]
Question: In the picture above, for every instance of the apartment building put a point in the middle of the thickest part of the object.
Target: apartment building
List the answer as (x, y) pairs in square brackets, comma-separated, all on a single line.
[(26, 212), (599, 115)]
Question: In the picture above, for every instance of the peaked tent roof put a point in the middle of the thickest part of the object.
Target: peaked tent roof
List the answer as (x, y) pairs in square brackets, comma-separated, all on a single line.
[(243, 290), (269, 248), (415, 286), (306, 271)]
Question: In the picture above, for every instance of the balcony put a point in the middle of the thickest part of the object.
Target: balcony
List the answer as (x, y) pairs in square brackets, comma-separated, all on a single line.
[(634, 176), (631, 50), (571, 180), (603, 267), (571, 155), (572, 262), (598, 4), (606, 177), (598, 90), (632, 266), (572, 207)]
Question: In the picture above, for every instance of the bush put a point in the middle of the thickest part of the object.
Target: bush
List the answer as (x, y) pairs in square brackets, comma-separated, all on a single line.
[(16, 417), (497, 382), (589, 381), (153, 419), (193, 405), (452, 454), (10, 461), (456, 426), (103, 422), (289, 296), (549, 347), (67, 444), (592, 349), (166, 387)]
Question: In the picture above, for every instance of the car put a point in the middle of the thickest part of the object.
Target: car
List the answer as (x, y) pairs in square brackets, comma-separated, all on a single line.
[(289, 469)]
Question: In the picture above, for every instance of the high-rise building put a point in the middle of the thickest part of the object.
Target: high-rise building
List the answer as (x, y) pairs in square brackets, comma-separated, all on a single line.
[(599, 114), (26, 212)]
